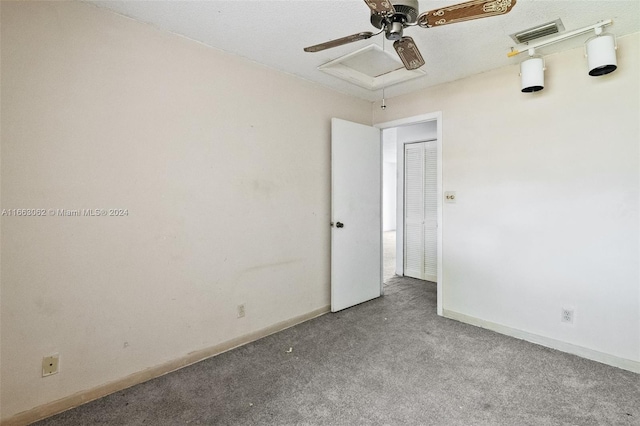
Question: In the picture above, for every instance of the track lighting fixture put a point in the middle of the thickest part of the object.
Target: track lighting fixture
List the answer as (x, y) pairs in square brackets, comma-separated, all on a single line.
[(600, 52), (532, 73)]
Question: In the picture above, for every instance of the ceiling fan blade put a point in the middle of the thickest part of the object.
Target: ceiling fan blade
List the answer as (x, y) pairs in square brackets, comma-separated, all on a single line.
[(409, 53), (382, 7), (466, 11), (339, 42)]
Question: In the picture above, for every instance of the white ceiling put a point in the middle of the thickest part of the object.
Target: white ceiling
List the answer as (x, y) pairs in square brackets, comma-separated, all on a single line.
[(274, 32)]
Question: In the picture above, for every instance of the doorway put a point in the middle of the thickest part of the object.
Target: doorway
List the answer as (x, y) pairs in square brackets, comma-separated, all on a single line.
[(389, 196), (396, 136)]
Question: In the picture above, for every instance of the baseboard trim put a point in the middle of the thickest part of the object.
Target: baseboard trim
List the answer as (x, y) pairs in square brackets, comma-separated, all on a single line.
[(82, 397), (623, 363)]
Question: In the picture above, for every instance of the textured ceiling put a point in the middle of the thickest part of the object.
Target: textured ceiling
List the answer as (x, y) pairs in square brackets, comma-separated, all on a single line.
[(274, 32)]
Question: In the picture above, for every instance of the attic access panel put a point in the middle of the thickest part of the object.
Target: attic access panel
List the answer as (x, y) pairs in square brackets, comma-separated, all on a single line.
[(370, 68)]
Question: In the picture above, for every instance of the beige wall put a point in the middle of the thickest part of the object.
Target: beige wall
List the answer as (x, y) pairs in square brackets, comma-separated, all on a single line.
[(222, 164), (547, 212)]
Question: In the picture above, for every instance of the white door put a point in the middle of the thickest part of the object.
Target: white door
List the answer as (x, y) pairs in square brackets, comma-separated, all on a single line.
[(420, 211), (430, 262), (356, 204)]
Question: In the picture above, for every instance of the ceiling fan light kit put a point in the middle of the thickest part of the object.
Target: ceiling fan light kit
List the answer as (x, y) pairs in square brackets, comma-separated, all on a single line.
[(600, 51)]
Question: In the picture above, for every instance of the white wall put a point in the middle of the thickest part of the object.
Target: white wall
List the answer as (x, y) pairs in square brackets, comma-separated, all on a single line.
[(226, 182), (389, 196), (547, 212), (416, 133), (389, 179)]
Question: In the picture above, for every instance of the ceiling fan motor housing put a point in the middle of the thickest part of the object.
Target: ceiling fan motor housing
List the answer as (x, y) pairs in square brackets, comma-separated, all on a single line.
[(393, 31), (406, 12)]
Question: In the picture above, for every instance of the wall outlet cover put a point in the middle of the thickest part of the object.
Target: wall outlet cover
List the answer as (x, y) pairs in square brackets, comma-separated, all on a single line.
[(50, 365), (450, 197), (567, 315)]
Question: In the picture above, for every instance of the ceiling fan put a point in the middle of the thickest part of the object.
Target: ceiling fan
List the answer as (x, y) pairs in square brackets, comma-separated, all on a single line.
[(393, 16)]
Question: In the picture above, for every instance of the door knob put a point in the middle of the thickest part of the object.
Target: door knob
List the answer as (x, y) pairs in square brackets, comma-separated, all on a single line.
[(339, 225)]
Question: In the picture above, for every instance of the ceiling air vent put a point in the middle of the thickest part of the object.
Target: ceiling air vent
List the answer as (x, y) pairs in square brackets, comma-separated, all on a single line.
[(371, 68), (537, 32)]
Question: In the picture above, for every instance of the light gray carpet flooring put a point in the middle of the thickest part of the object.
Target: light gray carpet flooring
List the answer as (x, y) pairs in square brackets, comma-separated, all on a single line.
[(391, 361)]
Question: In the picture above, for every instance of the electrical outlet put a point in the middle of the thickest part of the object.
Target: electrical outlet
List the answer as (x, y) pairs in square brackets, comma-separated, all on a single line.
[(241, 311), (567, 315), (450, 197), (50, 365)]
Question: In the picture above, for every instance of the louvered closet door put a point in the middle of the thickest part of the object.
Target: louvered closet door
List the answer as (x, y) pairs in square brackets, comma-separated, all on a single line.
[(430, 264), (421, 209), (413, 210)]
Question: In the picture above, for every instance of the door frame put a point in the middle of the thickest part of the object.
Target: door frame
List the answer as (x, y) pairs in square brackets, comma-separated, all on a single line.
[(437, 117)]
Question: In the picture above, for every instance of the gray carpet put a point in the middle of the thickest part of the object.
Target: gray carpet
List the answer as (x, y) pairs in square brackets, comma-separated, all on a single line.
[(390, 361)]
